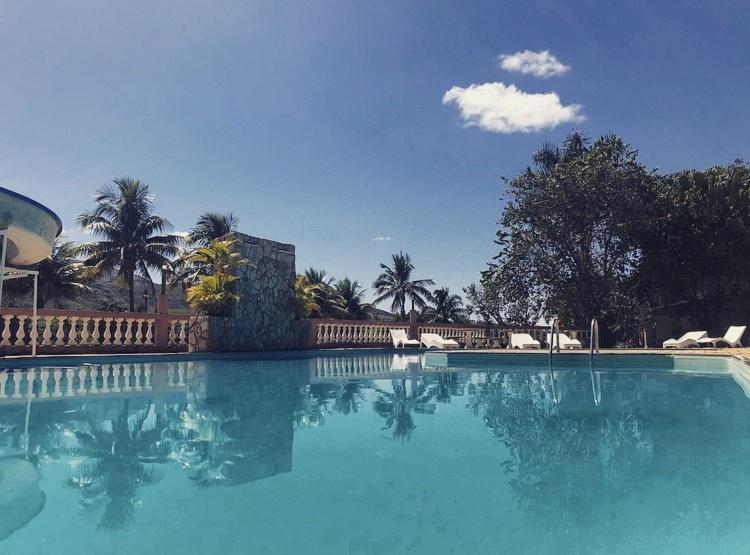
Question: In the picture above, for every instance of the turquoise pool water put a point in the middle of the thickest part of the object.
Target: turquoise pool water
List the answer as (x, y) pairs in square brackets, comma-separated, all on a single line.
[(375, 453)]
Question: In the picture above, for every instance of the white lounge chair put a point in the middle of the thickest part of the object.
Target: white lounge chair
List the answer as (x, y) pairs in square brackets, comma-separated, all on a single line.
[(433, 340), (523, 341), (733, 337), (690, 339), (401, 339), (565, 341)]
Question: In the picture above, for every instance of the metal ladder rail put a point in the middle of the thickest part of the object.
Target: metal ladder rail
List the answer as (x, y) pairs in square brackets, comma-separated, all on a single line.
[(594, 339), (554, 333)]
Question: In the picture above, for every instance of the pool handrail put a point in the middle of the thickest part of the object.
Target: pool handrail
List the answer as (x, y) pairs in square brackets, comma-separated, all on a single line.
[(594, 338), (554, 328)]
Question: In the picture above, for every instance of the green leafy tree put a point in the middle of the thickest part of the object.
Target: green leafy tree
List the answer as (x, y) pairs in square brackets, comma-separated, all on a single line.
[(395, 283), (349, 298), (211, 226), (216, 265), (571, 229), (62, 277), (305, 298), (132, 238), (446, 307), (696, 253), (325, 296)]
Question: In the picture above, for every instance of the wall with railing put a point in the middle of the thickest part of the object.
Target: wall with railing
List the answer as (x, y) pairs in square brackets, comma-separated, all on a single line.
[(79, 331), (369, 333)]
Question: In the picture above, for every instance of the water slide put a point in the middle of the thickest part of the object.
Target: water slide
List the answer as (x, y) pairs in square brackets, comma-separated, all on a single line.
[(27, 233), (30, 228)]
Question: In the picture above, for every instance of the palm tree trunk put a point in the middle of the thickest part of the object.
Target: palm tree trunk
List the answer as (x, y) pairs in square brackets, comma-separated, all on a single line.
[(131, 291)]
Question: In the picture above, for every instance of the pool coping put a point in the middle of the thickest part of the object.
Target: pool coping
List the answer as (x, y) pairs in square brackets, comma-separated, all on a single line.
[(26, 361)]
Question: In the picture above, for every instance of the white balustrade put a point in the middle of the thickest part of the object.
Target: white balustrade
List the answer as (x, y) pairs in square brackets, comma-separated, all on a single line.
[(61, 331), (350, 333)]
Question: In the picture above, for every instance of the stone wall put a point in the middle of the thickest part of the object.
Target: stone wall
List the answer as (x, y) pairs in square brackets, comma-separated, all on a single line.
[(263, 317)]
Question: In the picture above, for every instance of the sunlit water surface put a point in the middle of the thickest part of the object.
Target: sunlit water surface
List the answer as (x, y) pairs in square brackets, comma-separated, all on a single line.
[(283, 456)]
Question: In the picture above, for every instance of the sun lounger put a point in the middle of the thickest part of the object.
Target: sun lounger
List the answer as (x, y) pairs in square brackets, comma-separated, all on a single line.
[(433, 340), (733, 337), (401, 339), (523, 341), (690, 339), (565, 341)]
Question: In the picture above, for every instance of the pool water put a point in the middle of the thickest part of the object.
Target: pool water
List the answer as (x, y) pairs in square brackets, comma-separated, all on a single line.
[(374, 453)]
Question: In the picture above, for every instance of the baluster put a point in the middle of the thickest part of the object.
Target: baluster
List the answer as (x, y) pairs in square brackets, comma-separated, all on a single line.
[(117, 337), (3, 382), (150, 332), (63, 337), (5, 337), (85, 335), (183, 332), (171, 334), (139, 331), (47, 334)]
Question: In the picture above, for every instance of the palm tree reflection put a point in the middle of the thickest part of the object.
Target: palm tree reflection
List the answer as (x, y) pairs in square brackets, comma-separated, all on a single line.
[(396, 406), (120, 455)]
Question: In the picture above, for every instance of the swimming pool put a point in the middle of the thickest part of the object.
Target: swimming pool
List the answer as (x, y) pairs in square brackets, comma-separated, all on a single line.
[(375, 452)]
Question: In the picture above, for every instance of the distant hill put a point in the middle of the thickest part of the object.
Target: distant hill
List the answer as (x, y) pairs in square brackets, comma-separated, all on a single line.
[(107, 294)]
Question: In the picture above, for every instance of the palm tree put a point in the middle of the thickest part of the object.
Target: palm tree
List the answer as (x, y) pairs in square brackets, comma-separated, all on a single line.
[(132, 235), (348, 296), (305, 298), (397, 284), (321, 285), (214, 273), (446, 307), (211, 226), (62, 277)]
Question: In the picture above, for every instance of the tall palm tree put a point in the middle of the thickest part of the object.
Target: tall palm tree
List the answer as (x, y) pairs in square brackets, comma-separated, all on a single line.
[(396, 283), (322, 286), (211, 226), (132, 237), (348, 297), (446, 307)]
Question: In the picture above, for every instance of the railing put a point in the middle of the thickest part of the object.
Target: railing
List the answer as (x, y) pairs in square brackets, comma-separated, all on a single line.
[(337, 333), (369, 333), (78, 331)]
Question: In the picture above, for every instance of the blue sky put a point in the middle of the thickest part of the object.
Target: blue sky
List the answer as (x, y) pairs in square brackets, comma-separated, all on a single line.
[(326, 124)]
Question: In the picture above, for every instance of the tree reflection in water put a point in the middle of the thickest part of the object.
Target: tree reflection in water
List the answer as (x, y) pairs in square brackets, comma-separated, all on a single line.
[(396, 406), (578, 469), (120, 456)]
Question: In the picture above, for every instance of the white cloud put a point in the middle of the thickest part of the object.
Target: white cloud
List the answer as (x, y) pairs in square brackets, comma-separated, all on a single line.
[(381, 238), (502, 108), (539, 64)]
